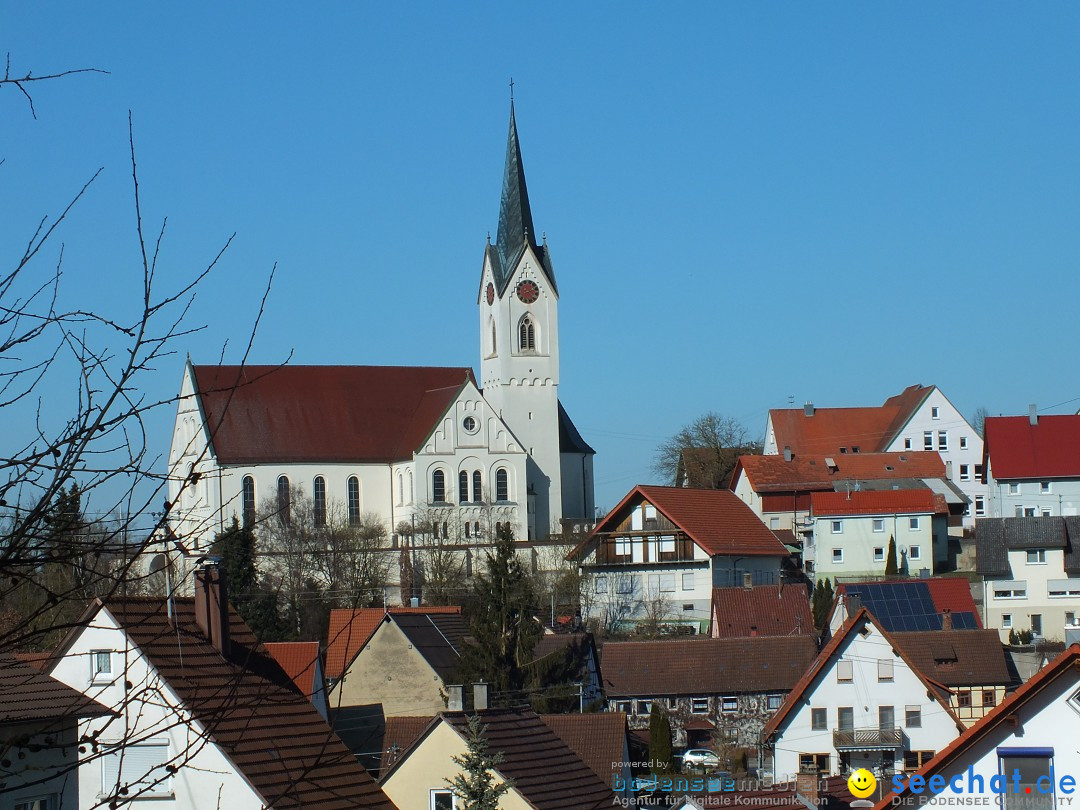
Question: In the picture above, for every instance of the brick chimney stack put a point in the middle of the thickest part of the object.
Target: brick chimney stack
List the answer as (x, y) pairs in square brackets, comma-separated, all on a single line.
[(212, 607), (946, 619)]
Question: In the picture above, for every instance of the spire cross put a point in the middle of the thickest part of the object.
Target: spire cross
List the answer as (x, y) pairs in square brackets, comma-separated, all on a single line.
[(511, 88)]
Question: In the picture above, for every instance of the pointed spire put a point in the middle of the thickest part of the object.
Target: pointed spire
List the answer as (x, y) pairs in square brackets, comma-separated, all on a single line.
[(515, 215)]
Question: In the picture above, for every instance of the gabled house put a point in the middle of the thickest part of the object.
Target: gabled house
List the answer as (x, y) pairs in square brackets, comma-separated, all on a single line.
[(852, 531), (900, 605), (546, 773), (658, 555), (761, 610), (302, 662), (1031, 574), (864, 703), (1032, 465), (919, 418), (1030, 739), (39, 737), (206, 717), (711, 689)]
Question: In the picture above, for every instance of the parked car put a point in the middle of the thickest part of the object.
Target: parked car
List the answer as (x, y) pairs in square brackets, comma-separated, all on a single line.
[(701, 759)]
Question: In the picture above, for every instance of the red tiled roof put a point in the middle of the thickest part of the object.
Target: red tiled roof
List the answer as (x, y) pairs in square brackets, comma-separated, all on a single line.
[(878, 502), (1018, 449), (704, 666), (351, 629), (829, 429), (1065, 665), (715, 519), (262, 414), (810, 472), (28, 695), (399, 735), (275, 737), (300, 661), (599, 739), (764, 610), (951, 594)]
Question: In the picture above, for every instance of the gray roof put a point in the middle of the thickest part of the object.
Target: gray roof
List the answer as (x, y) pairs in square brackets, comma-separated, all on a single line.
[(995, 537), (570, 440), (437, 637)]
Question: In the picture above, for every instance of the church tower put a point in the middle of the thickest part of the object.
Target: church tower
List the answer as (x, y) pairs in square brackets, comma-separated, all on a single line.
[(519, 342)]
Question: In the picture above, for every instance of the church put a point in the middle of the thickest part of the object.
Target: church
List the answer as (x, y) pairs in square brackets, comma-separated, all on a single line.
[(413, 446)]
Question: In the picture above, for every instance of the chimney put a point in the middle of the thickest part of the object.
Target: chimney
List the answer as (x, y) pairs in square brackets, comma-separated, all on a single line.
[(854, 604), (1033, 415), (787, 453), (212, 607), (480, 696), (455, 697), (808, 408), (946, 619), (806, 785), (748, 579)]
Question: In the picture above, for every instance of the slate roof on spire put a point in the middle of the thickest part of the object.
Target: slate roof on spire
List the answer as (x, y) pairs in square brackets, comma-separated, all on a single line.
[(516, 229)]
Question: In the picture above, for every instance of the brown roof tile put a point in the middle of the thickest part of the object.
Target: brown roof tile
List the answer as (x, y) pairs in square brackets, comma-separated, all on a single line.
[(598, 739), (300, 661), (764, 610), (29, 695), (811, 472), (398, 737), (705, 666), (957, 657), (351, 629)]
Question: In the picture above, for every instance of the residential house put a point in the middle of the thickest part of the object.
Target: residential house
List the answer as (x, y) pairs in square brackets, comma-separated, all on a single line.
[(900, 605), (722, 689), (1030, 739), (660, 552), (302, 662), (852, 531), (39, 738), (1031, 573), (207, 718), (546, 774), (864, 703), (761, 610), (1032, 465), (919, 418)]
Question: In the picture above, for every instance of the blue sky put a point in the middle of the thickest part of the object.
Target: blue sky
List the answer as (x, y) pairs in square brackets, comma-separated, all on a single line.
[(745, 202)]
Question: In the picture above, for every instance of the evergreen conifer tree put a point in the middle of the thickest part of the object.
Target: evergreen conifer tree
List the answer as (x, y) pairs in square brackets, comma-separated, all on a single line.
[(475, 787), (891, 568), (660, 741)]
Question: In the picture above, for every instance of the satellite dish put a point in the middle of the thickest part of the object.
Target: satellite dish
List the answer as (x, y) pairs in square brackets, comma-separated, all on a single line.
[(158, 563)]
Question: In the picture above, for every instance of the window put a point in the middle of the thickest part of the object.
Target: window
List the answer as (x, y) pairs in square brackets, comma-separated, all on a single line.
[(502, 485), (837, 555), (527, 335), (352, 491), (1045, 511), (622, 547), (814, 763), (623, 706), (845, 718), (466, 529), (729, 704), (879, 524), (644, 707), (442, 800), (699, 705), (914, 760), (477, 486), (1018, 511), (837, 527), (284, 500), (318, 501), (935, 412), (1036, 556), (819, 719), (249, 501), (913, 716), (886, 718), (469, 424), (774, 523), (445, 530), (601, 584), (1070, 617), (980, 506), (978, 472), (665, 583), (37, 803), (1035, 766), (774, 702), (963, 443), (879, 554), (907, 443), (1044, 487), (963, 699), (914, 553), (943, 440), (1029, 511), (965, 472), (1006, 620), (1014, 488), (138, 766), (885, 669), (928, 440), (688, 581), (624, 584), (463, 487), (989, 697), (844, 671), (100, 665), (438, 487), (913, 524), (1036, 624), (1010, 590)]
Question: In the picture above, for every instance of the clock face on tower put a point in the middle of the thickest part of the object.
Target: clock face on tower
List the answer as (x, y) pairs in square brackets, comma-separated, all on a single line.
[(490, 293), (528, 292)]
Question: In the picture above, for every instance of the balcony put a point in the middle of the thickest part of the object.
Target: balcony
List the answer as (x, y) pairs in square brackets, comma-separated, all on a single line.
[(644, 548), (868, 739)]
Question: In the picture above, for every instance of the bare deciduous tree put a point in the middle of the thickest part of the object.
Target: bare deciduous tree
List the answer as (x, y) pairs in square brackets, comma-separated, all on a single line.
[(703, 453)]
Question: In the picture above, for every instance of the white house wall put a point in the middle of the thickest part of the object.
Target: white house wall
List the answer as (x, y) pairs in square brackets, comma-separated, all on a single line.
[(1037, 580), (858, 540), (1029, 499)]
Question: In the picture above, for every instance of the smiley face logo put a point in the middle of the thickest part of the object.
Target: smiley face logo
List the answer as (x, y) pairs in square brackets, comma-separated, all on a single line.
[(861, 783)]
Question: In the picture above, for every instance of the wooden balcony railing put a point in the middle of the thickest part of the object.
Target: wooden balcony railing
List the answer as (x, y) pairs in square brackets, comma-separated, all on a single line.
[(641, 548), (867, 739)]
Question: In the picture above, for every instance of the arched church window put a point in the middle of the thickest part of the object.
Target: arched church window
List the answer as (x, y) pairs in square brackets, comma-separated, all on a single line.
[(467, 530), (284, 500), (318, 501), (463, 486), (400, 489), (408, 477), (527, 334), (249, 501), (477, 486), (438, 487), (476, 528), (353, 493), (502, 485), (494, 342)]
